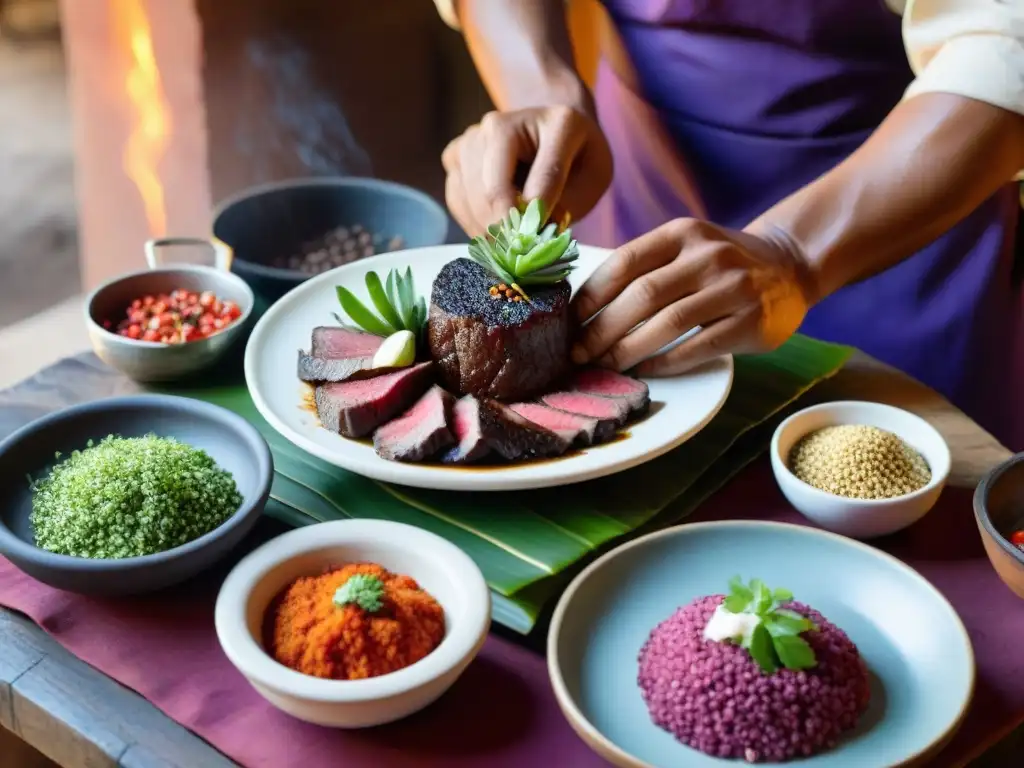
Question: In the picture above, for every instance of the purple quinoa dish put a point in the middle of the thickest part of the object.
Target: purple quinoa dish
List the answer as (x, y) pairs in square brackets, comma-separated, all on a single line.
[(714, 697)]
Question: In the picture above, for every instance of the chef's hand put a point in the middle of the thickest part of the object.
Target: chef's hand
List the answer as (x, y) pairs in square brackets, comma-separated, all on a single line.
[(748, 293), (569, 159)]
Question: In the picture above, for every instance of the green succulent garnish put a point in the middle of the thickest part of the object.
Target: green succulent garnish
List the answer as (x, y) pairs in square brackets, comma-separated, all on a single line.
[(525, 250), (398, 307), (775, 640), (363, 590)]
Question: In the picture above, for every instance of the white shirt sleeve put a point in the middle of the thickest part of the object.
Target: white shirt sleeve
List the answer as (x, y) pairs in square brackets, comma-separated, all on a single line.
[(446, 10), (972, 48)]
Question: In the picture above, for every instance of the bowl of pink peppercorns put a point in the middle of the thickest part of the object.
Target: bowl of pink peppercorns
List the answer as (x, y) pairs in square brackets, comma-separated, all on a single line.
[(169, 321)]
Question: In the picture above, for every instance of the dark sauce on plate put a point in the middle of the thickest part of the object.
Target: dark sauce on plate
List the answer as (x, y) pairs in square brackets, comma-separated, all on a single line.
[(308, 403)]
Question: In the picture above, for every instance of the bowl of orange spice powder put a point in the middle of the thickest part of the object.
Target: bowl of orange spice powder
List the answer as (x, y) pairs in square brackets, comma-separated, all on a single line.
[(353, 623)]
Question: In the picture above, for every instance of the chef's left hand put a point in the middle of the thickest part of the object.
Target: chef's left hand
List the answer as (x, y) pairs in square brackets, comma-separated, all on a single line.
[(748, 293)]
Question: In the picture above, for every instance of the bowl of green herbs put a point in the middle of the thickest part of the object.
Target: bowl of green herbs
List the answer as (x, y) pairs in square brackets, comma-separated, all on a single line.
[(130, 494)]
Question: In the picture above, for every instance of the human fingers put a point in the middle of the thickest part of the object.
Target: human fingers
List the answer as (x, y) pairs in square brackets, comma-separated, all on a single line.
[(644, 254), (560, 137), (455, 199), (471, 153), (501, 149), (732, 334), (639, 300), (703, 308)]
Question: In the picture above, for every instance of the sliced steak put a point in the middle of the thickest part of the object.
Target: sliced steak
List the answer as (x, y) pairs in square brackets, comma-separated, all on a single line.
[(339, 354), (323, 369), (610, 413), (513, 437), (578, 430), (420, 432), (357, 407), (491, 346), (470, 444), (339, 343), (600, 381), (498, 428)]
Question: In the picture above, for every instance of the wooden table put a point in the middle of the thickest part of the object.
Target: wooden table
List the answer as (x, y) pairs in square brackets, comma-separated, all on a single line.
[(80, 718)]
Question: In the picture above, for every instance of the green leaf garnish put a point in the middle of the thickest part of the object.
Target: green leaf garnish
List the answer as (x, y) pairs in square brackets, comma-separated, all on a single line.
[(524, 250), (762, 596), (360, 315), (382, 302), (794, 652), (787, 623), (739, 597), (363, 590), (760, 646), (395, 300), (775, 641)]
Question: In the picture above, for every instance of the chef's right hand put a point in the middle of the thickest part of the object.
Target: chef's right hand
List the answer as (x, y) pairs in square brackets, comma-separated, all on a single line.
[(569, 159)]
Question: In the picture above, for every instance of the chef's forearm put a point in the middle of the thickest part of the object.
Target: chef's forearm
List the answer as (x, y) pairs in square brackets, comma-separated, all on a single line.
[(523, 52), (933, 161)]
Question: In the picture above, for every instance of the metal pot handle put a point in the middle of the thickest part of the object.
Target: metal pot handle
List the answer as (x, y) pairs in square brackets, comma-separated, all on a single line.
[(219, 253)]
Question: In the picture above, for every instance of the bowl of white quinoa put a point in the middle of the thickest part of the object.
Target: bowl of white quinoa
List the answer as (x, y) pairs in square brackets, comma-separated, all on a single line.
[(859, 468)]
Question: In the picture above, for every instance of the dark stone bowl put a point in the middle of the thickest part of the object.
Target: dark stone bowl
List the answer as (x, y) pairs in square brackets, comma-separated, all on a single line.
[(999, 511), (233, 443), (266, 222)]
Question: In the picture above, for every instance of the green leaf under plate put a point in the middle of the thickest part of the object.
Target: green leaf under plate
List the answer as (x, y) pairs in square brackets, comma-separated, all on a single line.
[(529, 543)]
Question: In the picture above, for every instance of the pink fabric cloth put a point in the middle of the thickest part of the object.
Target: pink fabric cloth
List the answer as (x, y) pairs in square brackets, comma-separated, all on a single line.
[(502, 712)]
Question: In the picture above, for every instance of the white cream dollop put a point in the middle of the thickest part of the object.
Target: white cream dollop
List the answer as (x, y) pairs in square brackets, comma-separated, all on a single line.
[(726, 625)]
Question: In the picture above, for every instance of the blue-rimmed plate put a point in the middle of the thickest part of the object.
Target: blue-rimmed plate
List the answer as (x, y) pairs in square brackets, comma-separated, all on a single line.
[(914, 644)]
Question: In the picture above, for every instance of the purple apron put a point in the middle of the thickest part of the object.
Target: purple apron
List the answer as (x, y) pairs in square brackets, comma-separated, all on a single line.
[(720, 108)]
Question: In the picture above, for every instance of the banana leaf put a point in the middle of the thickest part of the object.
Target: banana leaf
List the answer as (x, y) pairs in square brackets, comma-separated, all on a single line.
[(527, 543)]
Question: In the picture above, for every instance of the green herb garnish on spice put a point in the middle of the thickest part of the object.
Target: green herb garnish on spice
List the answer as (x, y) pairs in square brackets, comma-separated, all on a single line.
[(525, 250), (128, 497), (774, 642), (399, 308), (363, 590)]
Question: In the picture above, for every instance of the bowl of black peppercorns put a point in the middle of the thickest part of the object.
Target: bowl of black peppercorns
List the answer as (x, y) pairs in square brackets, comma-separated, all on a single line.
[(286, 232)]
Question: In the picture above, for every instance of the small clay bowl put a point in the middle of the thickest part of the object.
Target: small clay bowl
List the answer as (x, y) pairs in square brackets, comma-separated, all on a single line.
[(150, 361), (441, 568), (860, 518), (999, 511), (233, 443)]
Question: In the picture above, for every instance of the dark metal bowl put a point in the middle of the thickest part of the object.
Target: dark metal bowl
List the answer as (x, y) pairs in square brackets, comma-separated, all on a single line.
[(266, 222), (233, 443)]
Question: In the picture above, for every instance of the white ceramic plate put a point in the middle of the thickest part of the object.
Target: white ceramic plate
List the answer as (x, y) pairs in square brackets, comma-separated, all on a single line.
[(680, 406)]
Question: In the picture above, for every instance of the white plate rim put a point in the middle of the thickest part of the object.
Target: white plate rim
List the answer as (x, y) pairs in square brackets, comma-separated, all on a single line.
[(426, 476), (612, 751)]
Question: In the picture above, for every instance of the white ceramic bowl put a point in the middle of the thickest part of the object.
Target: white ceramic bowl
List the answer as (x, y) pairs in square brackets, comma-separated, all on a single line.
[(860, 518), (440, 567)]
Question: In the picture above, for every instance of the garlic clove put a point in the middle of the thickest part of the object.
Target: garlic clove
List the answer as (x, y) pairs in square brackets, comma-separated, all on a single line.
[(397, 351)]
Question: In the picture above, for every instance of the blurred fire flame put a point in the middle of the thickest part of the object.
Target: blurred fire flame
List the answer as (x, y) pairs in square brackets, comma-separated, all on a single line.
[(151, 130)]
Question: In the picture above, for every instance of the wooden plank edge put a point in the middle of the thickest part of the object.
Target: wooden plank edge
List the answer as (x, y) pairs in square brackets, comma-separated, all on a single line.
[(101, 724)]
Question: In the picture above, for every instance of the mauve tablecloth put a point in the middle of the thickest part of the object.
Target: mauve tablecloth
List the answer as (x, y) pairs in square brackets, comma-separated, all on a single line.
[(502, 712)]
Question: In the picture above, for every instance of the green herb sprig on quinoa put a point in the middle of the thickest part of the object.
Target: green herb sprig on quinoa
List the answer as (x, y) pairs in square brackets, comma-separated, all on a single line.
[(128, 497)]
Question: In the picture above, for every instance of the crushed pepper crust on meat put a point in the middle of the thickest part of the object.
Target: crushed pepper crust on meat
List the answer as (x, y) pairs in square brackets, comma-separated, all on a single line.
[(313, 635)]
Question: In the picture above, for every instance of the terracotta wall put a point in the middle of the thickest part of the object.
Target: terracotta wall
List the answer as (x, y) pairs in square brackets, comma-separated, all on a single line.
[(112, 221)]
